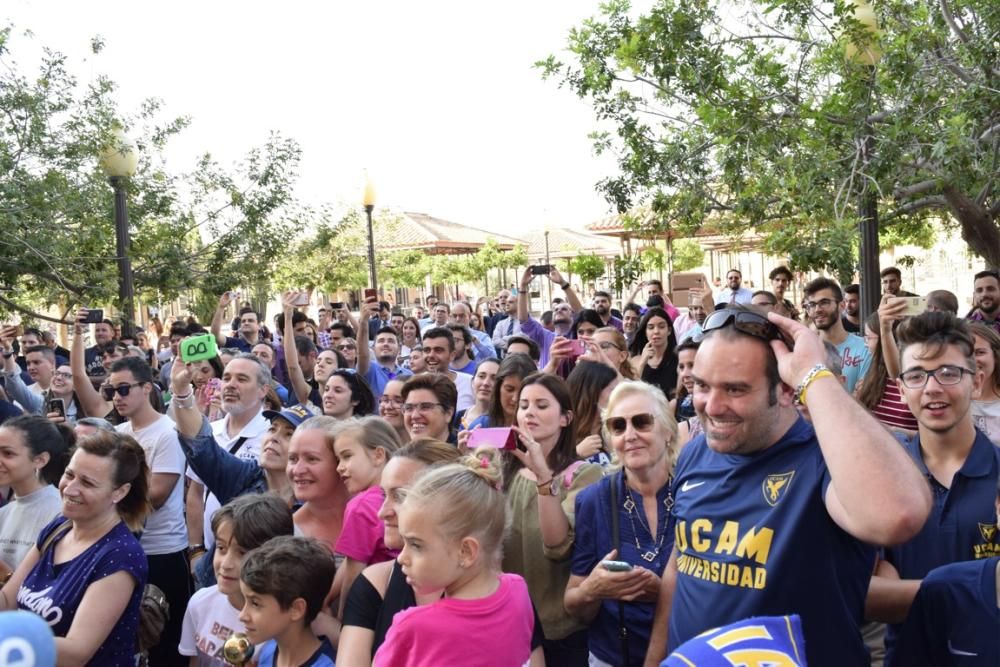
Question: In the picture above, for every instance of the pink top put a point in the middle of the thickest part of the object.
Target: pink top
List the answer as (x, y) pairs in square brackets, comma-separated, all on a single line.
[(494, 631), (362, 536)]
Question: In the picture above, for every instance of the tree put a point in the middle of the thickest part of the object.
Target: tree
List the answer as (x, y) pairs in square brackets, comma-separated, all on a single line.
[(211, 227), (749, 117), (588, 267)]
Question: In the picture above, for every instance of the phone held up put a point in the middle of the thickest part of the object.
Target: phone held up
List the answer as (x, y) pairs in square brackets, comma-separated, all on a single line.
[(58, 406), (541, 269), (94, 316)]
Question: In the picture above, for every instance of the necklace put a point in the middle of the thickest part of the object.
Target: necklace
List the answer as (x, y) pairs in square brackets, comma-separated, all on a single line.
[(630, 505)]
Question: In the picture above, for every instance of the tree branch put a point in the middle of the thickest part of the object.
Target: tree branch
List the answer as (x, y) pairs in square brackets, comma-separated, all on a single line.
[(22, 309), (949, 18), (936, 201), (915, 189)]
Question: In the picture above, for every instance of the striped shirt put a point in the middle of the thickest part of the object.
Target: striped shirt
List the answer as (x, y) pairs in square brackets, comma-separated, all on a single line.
[(892, 409)]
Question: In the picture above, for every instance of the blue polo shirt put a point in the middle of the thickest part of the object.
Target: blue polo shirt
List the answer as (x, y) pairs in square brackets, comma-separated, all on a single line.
[(378, 377), (754, 538), (962, 522), (594, 540), (954, 618)]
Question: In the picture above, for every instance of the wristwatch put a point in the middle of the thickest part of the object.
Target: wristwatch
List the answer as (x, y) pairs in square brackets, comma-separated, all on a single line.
[(565, 286)]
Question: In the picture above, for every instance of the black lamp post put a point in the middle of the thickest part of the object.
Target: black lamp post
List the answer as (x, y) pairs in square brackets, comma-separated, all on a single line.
[(119, 161), (369, 202)]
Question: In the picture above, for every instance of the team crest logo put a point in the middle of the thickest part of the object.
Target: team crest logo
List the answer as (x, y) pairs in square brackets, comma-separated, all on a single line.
[(775, 487), (988, 531)]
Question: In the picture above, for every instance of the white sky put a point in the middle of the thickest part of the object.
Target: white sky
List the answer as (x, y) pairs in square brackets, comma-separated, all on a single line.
[(437, 99)]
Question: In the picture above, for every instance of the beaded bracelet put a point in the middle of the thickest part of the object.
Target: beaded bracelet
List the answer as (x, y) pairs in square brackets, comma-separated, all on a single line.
[(817, 371)]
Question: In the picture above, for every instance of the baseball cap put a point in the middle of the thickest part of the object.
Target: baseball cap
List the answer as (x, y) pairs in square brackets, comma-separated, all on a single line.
[(294, 415)]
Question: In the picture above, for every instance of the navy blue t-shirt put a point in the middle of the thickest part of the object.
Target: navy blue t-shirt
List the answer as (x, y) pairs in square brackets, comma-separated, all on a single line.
[(954, 620), (754, 538), (594, 539)]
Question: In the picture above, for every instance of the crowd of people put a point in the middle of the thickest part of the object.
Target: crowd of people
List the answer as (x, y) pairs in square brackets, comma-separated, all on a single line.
[(741, 479)]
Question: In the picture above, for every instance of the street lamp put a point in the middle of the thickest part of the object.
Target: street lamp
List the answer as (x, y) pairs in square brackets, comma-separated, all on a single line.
[(369, 202), (867, 53), (548, 282), (119, 161)]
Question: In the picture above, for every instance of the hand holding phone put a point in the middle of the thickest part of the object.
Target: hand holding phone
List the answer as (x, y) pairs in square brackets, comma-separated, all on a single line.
[(199, 348), (302, 299), (541, 269), (915, 305), (58, 406), (94, 316), (371, 293), (501, 438), (616, 566)]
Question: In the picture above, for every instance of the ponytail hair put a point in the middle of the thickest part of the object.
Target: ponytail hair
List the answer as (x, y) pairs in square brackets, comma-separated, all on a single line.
[(43, 437), (130, 468), (468, 500)]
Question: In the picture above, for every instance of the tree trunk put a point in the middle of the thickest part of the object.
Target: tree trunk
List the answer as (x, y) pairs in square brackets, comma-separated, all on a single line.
[(979, 230)]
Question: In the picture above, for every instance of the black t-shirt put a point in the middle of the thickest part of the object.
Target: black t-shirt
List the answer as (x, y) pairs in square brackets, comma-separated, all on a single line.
[(663, 376), (850, 326)]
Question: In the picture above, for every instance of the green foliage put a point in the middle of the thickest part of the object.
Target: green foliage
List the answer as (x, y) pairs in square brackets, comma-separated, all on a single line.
[(688, 254), (747, 116), (587, 267), (211, 227)]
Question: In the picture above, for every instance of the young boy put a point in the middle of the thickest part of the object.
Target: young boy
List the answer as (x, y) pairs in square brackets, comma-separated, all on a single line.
[(213, 613), (284, 584), (955, 616)]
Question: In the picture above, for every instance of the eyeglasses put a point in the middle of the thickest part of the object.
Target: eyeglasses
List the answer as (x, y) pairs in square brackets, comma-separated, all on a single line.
[(822, 303), (108, 392), (63, 375), (347, 347), (744, 321), (642, 422), (387, 400), (420, 407), (608, 345), (916, 378)]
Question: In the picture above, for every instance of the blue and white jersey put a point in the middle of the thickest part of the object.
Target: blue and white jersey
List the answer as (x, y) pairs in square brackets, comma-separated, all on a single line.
[(767, 640), (754, 538)]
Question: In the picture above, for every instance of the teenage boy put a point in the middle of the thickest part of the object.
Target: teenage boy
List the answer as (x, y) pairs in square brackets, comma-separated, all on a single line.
[(823, 298), (213, 613), (284, 584), (955, 616), (958, 463)]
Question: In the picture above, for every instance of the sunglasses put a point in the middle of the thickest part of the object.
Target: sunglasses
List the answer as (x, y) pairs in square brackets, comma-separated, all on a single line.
[(642, 422), (108, 392), (744, 321)]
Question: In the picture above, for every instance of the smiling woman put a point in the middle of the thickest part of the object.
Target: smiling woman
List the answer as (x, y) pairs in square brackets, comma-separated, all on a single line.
[(86, 574)]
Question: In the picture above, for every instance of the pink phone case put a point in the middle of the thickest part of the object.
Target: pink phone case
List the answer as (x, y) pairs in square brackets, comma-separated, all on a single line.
[(501, 438)]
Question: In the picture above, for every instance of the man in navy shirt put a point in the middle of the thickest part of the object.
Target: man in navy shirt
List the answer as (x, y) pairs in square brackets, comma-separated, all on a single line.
[(958, 463), (249, 333), (955, 616), (773, 515)]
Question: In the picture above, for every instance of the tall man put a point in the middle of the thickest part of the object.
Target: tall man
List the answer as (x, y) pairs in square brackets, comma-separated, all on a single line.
[(241, 432), (986, 299), (774, 515), (959, 465), (823, 297), (164, 537), (734, 293)]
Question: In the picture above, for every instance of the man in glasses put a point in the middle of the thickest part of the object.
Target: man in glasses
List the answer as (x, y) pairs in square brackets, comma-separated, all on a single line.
[(959, 464), (164, 537), (823, 298), (562, 314), (773, 513)]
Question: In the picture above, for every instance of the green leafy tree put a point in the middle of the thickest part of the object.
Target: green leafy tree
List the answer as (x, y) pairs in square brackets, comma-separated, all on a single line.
[(587, 267), (749, 116), (688, 254), (211, 227)]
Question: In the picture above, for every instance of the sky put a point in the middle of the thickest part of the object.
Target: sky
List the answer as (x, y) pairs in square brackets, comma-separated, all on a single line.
[(438, 100)]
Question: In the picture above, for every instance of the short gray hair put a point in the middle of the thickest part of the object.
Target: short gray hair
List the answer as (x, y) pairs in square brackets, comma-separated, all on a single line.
[(263, 372)]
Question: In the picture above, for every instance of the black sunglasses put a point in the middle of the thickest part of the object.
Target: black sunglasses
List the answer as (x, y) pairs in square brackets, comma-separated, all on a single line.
[(642, 422), (108, 391), (744, 321)]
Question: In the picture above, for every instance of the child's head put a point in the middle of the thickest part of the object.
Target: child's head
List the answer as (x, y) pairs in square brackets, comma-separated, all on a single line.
[(453, 521), (284, 583), (362, 447), (242, 525)]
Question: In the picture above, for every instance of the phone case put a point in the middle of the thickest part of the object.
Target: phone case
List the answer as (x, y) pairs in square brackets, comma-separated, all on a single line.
[(501, 438), (199, 348)]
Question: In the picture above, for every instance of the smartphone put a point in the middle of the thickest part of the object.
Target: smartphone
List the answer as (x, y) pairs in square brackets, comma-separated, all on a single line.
[(57, 405), (337, 305), (616, 566), (199, 348), (302, 299), (370, 293), (541, 269), (95, 316), (214, 385), (915, 305), (579, 347), (695, 298), (501, 438)]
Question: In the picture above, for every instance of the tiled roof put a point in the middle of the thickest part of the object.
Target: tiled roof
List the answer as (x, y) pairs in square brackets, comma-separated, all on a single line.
[(570, 243), (419, 231)]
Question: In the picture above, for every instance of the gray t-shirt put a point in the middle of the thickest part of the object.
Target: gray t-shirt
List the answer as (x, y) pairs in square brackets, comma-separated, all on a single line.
[(22, 519)]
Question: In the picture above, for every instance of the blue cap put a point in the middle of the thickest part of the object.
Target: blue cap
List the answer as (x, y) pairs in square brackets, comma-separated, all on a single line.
[(294, 415)]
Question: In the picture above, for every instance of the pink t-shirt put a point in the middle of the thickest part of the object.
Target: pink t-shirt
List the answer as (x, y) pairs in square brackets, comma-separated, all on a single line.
[(362, 535), (494, 631)]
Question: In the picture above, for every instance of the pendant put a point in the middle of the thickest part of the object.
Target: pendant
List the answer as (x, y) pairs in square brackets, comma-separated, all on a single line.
[(649, 556), (628, 505)]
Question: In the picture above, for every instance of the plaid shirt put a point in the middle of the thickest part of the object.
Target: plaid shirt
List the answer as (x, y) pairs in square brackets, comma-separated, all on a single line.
[(977, 316)]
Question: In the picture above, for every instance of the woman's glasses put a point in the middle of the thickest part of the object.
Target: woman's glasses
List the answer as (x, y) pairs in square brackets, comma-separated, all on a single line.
[(642, 422)]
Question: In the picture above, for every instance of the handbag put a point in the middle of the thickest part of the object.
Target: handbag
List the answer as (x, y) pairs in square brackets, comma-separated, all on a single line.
[(616, 541)]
